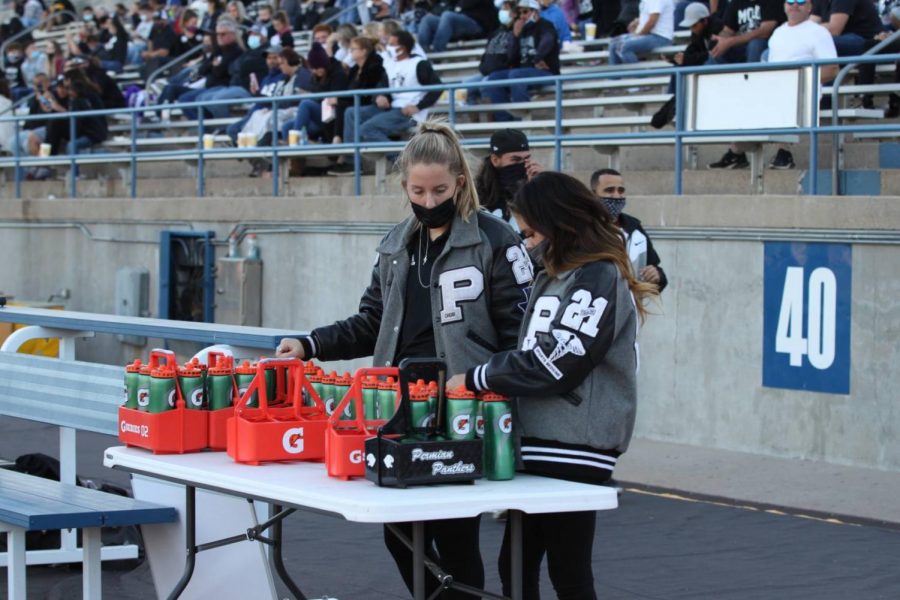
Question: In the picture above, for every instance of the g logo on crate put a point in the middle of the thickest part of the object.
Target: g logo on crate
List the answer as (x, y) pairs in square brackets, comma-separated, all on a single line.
[(143, 397), (505, 422), (356, 457), (479, 425), (197, 398), (292, 440), (462, 424), (171, 398)]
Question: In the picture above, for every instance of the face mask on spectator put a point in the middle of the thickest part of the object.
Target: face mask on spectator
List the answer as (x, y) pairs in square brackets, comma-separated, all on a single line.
[(504, 17), (35, 54), (88, 17), (615, 206), (391, 52), (536, 253), (192, 29), (498, 3), (254, 42), (13, 57), (511, 176), (144, 18)]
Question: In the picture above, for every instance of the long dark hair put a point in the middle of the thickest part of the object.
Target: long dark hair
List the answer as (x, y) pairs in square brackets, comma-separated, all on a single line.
[(79, 85), (491, 194), (578, 228)]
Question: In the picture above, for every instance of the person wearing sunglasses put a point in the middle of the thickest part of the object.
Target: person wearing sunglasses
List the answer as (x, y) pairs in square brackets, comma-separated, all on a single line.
[(609, 187)]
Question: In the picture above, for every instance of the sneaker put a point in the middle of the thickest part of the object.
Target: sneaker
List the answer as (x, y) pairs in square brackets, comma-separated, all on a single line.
[(731, 160), (341, 169), (783, 160)]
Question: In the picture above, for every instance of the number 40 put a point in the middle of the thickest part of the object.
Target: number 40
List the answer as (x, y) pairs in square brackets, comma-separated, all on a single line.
[(820, 320)]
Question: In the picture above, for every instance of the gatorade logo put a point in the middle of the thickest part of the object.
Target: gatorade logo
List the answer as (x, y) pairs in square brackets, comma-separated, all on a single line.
[(329, 406), (479, 424), (197, 398), (462, 424), (356, 457), (242, 391), (505, 423), (171, 399), (143, 397), (426, 420), (292, 440), (347, 411)]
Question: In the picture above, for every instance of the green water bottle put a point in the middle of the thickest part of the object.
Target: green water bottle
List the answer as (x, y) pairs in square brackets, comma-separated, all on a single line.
[(341, 387), (243, 377), (328, 393), (310, 370), (370, 398), (499, 453), (461, 407), (418, 405), (387, 398), (190, 379), (479, 420), (132, 383), (271, 376), (162, 389), (143, 392), (220, 385)]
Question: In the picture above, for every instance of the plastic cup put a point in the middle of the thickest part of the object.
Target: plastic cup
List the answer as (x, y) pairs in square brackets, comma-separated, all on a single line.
[(294, 137), (209, 141), (45, 150), (590, 31)]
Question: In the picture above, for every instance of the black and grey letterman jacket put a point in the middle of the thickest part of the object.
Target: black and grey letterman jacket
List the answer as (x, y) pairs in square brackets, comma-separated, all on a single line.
[(479, 290), (573, 376)]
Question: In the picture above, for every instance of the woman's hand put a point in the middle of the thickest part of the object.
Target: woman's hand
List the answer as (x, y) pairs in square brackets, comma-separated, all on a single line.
[(456, 381), (290, 348)]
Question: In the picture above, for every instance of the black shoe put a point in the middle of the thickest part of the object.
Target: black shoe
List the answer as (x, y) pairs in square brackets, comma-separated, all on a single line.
[(342, 169), (783, 160), (893, 109), (731, 160)]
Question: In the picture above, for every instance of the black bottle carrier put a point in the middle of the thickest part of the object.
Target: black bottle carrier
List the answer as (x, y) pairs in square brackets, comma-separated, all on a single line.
[(401, 455)]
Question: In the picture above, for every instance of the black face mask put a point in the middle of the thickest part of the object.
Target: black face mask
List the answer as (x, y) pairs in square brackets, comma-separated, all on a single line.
[(435, 217), (512, 176), (615, 206), (536, 253)]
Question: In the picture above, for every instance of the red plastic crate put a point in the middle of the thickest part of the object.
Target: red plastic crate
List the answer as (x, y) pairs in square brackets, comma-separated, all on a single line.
[(278, 433)]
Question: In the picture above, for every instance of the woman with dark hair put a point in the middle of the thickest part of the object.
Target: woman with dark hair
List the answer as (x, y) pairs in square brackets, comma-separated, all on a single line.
[(214, 10), (573, 373), (114, 52), (83, 95)]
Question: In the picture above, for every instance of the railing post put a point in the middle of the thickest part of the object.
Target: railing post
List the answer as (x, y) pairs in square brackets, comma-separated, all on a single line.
[(679, 127), (201, 175), (18, 175), (275, 170), (357, 155), (73, 165), (557, 131), (813, 137), (451, 113), (133, 183)]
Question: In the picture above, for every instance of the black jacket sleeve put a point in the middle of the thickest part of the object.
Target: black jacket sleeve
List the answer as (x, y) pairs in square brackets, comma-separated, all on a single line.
[(653, 259), (426, 75), (560, 350), (355, 336), (511, 279)]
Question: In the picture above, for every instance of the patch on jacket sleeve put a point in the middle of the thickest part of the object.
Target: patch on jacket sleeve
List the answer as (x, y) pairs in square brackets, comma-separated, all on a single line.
[(566, 343)]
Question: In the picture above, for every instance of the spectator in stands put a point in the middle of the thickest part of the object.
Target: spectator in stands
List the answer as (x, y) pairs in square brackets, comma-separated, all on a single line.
[(321, 33), (189, 34), (8, 139), (328, 76), (459, 19), (282, 37), (235, 9), (551, 11), (534, 52), (654, 27), (35, 62), (609, 186), (800, 39), (503, 171), (110, 92), (87, 14), (866, 73), (57, 59), (292, 8), (223, 66), (214, 10), (496, 54), (61, 9), (114, 52), (338, 44), (83, 95), (852, 23), (745, 36), (32, 13), (140, 34), (192, 76), (264, 20), (380, 10), (160, 44), (391, 27), (397, 114), (12, 69), (259, 115)]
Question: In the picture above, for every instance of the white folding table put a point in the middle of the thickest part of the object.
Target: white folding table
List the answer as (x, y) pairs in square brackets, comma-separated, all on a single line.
[(306, 486)]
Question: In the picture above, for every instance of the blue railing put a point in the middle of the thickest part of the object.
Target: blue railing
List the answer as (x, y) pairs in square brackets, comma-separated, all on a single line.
[(679, 135)]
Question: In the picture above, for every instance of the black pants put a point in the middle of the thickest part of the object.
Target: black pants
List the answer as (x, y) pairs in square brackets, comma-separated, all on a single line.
[(452, 544), (567, 539)]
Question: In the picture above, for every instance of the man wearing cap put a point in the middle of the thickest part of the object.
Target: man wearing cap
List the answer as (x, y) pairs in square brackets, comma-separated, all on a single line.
[(503, 172), (534, 52), (654, 27)]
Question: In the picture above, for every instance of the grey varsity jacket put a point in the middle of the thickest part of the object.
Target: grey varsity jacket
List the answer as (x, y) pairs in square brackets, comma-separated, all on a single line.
[(479, 289), (573, 376)]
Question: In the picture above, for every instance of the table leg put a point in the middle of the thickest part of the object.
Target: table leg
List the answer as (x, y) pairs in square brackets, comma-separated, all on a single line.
[(515, 530), (190, 534), (418, 529), (92, 575), (15, 572), (278, 560)]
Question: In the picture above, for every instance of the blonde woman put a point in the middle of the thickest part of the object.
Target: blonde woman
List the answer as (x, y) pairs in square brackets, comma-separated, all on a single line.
[(450, 282)]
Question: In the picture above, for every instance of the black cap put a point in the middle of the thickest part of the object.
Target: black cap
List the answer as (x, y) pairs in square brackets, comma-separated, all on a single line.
[(508, 140)]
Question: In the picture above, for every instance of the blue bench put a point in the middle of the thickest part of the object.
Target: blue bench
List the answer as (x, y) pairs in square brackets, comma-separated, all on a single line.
[(29, 503)]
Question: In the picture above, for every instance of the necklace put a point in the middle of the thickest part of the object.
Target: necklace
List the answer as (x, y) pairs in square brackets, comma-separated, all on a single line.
[(422, 259)]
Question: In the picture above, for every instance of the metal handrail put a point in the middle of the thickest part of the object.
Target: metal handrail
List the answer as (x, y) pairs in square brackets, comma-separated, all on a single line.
[(174, 62), (836, 141), (12, 107), (333, 18), (25, 32)]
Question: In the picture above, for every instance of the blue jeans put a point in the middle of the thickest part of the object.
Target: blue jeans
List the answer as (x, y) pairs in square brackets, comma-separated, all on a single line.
[(219, 92), (473, 94), (750, 53), (513, 93), (436, 32), (190, 96), (386, 123), (624, 49), (235, 128), (133, 57), (111, 65), (366, 112), (849, 44), (78, 144), (309, 115)]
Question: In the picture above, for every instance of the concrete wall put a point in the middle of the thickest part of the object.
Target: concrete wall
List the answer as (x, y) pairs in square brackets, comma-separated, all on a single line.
[(701, 354)]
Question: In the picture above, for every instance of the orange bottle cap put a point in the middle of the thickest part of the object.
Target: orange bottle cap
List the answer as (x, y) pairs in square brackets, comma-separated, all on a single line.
[(418, 393), (189, 370), (134, 367), (245, 368), (387, 384), (164, 371), (494, 397), (370, 382), (461, 393)]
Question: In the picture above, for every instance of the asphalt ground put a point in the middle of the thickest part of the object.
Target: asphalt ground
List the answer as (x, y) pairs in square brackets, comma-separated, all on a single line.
[(654, 546)]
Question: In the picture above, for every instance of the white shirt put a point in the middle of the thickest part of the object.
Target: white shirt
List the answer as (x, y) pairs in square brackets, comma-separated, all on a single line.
[(800, 42), (665, 25)]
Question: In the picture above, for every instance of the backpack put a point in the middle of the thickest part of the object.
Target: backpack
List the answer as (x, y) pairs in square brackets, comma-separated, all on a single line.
[(496, 52)]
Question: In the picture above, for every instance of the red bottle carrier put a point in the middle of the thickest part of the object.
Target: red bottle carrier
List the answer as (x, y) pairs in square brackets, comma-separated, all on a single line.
[(174, 431), (345, 440), (268, 433), (218, 419)]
